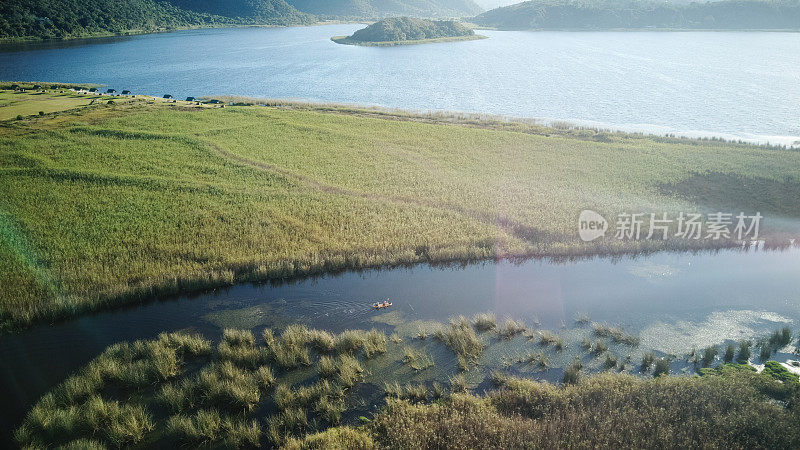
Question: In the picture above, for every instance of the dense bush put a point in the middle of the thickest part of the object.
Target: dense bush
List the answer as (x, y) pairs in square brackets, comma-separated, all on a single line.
[(50, 19), (383, 8), (583, 14), (606, 411), (410, 29)]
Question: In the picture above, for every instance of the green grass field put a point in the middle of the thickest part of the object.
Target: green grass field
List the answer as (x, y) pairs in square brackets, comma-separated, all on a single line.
[(116, 203), (32, 102)]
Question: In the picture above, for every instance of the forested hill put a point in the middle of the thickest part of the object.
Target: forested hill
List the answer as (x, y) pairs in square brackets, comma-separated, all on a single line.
[(605, 14), (386, 8), (398, 29), (55, 19), (276, 12), (58, 19)]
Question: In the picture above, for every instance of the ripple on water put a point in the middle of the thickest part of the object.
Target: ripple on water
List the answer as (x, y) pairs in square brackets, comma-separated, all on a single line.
[(718, 327)]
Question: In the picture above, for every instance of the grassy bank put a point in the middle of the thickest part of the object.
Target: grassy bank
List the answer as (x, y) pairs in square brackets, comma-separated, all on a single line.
[(307, 388), (118, 203)]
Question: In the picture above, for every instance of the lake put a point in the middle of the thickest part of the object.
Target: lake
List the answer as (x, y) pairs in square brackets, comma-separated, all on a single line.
[(673, 301), (687, 83)]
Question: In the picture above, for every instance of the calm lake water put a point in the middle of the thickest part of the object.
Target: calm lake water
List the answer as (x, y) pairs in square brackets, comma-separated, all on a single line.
[(739, 85), (672, 301)]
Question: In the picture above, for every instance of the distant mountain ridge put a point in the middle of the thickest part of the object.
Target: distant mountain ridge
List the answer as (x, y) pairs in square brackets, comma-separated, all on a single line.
[(635, 14), (385, 8), (60, 19), (267, 11)]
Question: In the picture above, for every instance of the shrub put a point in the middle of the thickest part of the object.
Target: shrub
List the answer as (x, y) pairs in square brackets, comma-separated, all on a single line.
[(458, 383), (766, 351), (350, 341), (417, 361), (330, 409), (326, 367), (238, 338), (287, 424), (601, 411), (510, 328), (647, 361), (616, 334), (221, 386), (610, 362), (572, 373), (264, 377), (207, 427), (333, 438), (780, 338), (83, 444), (546, 338), (374, 343), (661, 367), (485, 322), (290, 349), (193, 344), (321, 340), (730, 350), (350, 371), (744, 352), (460, 337), (244, 356), (413, 393), (599, 348), (709, 354), (780, 373)]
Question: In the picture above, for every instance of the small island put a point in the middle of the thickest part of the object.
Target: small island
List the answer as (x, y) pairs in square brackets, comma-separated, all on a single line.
[(408, 30)]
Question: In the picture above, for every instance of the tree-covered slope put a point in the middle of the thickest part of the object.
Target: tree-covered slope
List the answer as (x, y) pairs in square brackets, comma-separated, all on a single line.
[(398, 29), (384, 8), (268, 11), (54, 19), (603, 14)]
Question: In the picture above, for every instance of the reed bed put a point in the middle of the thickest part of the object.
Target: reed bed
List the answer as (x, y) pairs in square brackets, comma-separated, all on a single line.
[(510, 328), (459, 336), (190, 199), (177, 390), (616, 334), (485, 322)]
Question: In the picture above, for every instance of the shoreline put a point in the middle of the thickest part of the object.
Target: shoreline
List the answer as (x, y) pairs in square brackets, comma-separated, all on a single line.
[(654, 29), (345, 40), (399, 254), (133, 33)]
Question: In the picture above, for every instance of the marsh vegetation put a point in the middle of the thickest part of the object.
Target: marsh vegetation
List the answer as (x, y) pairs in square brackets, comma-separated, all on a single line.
[(300, 387), (186, 197)]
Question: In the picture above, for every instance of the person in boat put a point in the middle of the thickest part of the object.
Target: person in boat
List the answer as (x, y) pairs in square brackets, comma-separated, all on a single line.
[(384, 304)]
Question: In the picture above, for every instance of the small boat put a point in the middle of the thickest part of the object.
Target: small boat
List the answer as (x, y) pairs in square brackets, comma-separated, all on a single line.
[(381, 305)]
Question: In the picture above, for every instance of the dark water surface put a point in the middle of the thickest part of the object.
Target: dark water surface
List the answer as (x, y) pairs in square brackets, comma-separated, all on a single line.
[(674, 301)]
